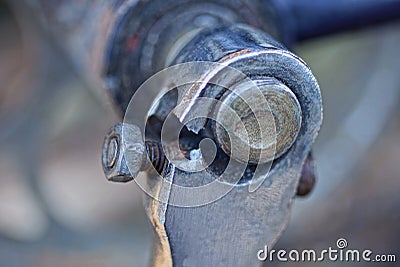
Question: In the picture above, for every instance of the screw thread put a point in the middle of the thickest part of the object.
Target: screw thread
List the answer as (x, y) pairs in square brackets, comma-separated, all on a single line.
[(156, 155)]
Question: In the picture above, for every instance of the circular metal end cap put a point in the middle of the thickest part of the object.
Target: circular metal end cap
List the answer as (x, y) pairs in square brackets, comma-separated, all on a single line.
[(270, 127)]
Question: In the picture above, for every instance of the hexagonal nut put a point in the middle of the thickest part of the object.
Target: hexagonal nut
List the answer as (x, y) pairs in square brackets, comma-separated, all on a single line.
[(123, 153)]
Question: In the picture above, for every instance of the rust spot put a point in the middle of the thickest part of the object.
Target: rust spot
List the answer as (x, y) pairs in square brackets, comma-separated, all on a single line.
[(234, 54), (132, 43)]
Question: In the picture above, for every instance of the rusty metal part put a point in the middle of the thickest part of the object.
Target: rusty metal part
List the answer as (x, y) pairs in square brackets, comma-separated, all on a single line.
[(156, 156), (307, 178), (125, 153), (279, 116), (244, 220), (119, 44), (254, 53), (262, 212), (241, 222)]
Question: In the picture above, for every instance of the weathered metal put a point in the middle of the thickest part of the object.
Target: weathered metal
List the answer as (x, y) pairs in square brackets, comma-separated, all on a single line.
[(124, 143), (281, 113), (241, 222), (246, 218), (122, 43)]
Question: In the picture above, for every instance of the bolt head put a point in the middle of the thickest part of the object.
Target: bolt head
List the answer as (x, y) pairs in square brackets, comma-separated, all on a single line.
[(123, 153)]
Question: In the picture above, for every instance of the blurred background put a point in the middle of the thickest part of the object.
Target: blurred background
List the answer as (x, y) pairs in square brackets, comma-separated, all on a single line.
[(57, 209)]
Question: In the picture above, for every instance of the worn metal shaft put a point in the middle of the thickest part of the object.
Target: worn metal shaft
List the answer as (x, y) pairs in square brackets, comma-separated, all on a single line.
[(117, 45)]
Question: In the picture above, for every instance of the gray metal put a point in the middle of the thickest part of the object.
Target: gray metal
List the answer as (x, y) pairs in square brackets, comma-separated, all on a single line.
[(231, 230), (123, 142), (119, 44), (238, 46), (281, 113), (125, 154)]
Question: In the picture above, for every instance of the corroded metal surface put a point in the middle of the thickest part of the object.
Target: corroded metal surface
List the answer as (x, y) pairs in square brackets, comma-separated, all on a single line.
[(119, 44), (282, 114), (248, 216), (125, 153), (123, 143), (231, 230)]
